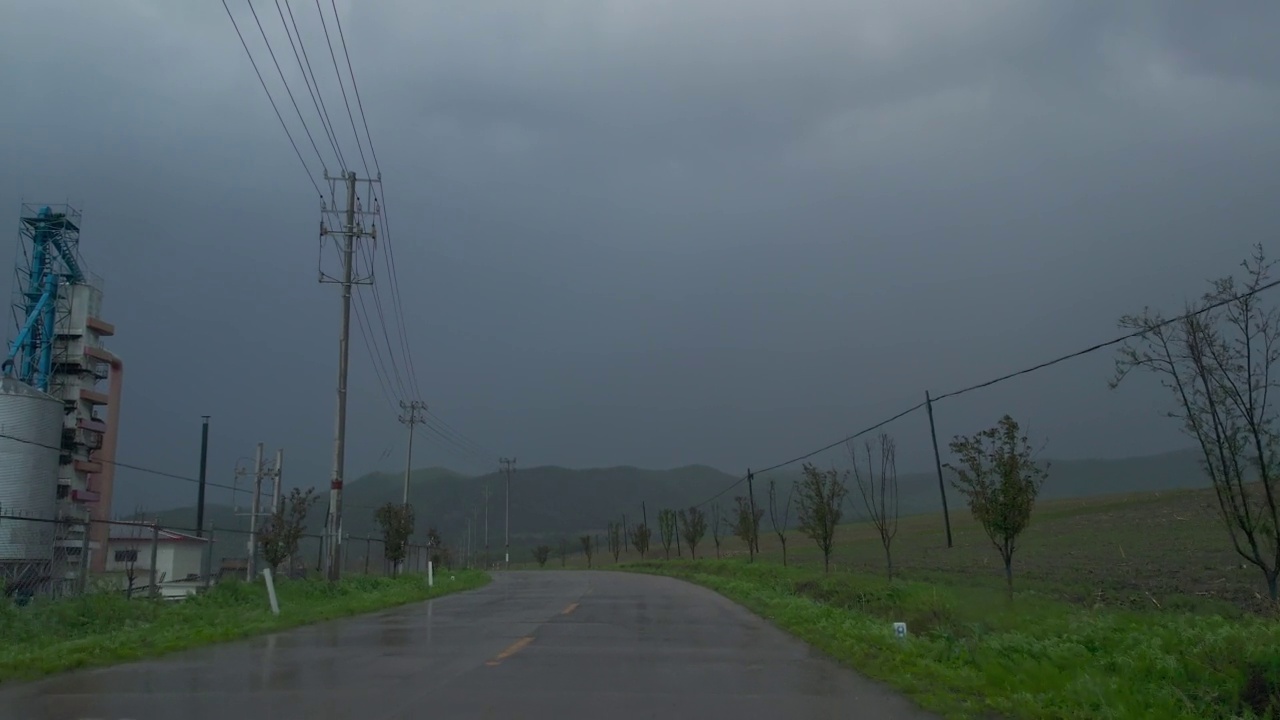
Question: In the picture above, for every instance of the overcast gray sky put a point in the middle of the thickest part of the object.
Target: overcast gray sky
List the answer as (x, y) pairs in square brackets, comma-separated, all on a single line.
[(651, 233)]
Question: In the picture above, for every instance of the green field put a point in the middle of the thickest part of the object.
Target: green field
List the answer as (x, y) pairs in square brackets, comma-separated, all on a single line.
[(101, 628), (1154, 551), (1126, 606)]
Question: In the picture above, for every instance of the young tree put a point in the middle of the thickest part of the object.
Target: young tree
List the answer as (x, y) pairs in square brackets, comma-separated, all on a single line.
[(1217, 364), (282, 531), (746, 525), (129, 555), (667, 529), (541, 553), (879, 493), (396, 521), (997, 473), (614, 536), (640, 536), (716, 519), (780, 529), (821, 507), (586, 547), (693, 526)]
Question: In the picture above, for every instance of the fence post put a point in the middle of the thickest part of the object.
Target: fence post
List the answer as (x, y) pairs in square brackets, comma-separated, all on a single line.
[(937, 461), (155, 552), (84, 557)]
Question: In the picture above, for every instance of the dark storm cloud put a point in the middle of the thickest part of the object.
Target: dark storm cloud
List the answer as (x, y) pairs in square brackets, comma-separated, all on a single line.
[(656, 232)]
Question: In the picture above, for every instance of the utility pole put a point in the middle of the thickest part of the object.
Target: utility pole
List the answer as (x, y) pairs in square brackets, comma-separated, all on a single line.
[(204, 468), (755, 527), (937, 462), (412, 416), (251, 565), (486, 526), (350, 228), (507, 522), (276, 476)]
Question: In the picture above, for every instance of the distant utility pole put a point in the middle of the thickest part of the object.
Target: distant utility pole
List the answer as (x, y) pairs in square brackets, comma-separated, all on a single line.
[(251, 564), (937, 462), (507, 530), (204, 470), (412, 416), (276, 473), (348, 225), (486, 526)]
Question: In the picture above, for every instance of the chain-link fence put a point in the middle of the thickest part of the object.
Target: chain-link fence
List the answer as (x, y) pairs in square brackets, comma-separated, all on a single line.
[(51, 559)]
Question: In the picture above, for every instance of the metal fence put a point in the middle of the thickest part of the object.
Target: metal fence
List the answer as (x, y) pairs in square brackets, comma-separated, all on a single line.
[(47, 558)]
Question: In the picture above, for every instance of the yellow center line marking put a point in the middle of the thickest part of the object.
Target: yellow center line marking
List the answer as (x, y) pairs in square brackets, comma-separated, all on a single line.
[(571, 608), (512, 649)]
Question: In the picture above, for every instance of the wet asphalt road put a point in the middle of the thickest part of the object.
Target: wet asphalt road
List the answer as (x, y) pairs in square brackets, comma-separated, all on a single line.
[(530, 646)]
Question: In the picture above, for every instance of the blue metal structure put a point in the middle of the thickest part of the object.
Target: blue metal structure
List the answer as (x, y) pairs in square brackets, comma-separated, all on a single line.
[(51, 244)]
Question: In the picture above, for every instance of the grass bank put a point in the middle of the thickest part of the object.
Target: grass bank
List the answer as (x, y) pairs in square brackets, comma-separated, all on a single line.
[(101, 629), (970, 653)]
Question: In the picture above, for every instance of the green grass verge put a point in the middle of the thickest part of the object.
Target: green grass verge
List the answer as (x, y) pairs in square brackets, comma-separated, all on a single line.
[(970, 653), (100, 629)]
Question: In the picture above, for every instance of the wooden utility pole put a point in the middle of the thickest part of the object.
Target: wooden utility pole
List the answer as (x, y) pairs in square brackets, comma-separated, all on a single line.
[(412, 416), (937, 461)]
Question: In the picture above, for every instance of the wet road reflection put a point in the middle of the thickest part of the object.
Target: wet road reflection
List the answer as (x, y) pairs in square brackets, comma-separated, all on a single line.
[(533, 645)]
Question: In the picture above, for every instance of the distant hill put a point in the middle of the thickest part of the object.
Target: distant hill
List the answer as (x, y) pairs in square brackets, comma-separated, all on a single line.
[(549, 503)]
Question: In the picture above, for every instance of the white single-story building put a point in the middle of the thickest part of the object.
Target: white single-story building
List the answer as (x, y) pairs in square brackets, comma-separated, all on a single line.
[(179, 559)]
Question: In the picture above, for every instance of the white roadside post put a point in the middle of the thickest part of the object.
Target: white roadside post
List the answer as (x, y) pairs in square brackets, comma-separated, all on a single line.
[(271, 591)]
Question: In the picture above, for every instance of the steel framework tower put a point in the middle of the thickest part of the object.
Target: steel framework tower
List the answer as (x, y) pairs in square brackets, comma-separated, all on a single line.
[(58, 350), (49, 259)]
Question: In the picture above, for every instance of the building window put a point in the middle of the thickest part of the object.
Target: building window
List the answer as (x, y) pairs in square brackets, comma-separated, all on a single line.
[(63, 491), (127, 555)]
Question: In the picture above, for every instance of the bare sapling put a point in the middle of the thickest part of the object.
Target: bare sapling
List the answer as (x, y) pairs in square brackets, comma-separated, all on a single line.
[(879, 490)]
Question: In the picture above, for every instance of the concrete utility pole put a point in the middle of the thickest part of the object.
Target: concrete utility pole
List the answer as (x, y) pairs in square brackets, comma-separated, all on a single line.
[(486, 526), (204, 468), (352, 230), (412, 416), (507, 463), (251, 565)]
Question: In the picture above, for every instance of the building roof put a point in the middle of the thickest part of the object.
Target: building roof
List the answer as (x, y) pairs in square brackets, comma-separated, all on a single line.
[(141, 532)]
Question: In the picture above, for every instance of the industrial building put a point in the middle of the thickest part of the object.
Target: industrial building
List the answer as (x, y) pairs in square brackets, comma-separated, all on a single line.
[(59, 412)]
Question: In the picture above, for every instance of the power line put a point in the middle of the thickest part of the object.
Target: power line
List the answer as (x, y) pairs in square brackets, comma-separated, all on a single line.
[(279, 117), (328, 131), (1008, 376), (285, 82), (128, 466), (375, 355), (1115, 341), (342, 85), (465, 440), (368, 136)]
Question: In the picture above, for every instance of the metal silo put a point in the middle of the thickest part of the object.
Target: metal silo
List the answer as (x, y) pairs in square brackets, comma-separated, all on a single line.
[(30, 438)]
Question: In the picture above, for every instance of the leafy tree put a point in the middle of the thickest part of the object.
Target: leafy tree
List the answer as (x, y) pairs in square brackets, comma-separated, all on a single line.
[(541, 553), (998, 475), (716, 519), (780, 529), (879, 493), (283, 529), (396, 522), (747, 525), (640, 535), (693, 526), (586, 547), (821, 506), (1217, 362), (667, 529), (614, 536)]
